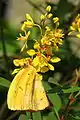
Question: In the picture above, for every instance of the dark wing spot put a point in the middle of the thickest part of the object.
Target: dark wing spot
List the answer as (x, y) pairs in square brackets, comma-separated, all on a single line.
[(41, 99), (15, 91), (21, 88)]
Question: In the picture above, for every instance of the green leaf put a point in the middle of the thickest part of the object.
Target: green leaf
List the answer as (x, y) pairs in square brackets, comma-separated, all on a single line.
[(4, 82), (54, 81), (56, 101), (57, 114), (75, 117), (46, 85), (22, 117), (36, 116), (50, 116), (27, 115), (71, 90)]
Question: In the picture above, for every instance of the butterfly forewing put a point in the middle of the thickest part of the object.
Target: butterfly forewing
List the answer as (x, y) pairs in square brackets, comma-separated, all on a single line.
[(26, 91)]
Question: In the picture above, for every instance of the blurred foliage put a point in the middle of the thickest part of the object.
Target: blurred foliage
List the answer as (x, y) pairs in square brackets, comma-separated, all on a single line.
[(61, 86)]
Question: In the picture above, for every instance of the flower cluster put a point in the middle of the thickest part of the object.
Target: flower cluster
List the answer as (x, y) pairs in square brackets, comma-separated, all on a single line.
[(75, 27), (42, 54)]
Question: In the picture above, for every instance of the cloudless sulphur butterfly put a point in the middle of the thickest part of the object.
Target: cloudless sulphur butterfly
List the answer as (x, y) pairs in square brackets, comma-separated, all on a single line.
[(26, 91)]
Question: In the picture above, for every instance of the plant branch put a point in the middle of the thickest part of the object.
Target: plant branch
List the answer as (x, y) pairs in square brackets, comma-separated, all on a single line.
[(31, 117), (4, 50), (3, 110), (13, 115), (35, 6)]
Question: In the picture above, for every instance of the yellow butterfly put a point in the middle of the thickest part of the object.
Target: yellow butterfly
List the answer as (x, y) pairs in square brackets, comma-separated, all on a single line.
[(26, 91)]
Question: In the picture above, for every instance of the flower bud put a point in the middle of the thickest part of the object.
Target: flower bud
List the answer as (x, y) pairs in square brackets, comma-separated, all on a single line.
[(48, 9), (42, 17), (56, 19), (49, 15)]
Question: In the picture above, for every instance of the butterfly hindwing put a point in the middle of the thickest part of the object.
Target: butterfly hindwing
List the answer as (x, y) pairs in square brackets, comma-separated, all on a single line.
[(40, 100)]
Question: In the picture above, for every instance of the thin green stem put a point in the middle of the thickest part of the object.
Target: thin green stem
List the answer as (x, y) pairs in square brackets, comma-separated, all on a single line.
[(25, 45), (13, 115), (39, 28), (31, 117), (3, 110)]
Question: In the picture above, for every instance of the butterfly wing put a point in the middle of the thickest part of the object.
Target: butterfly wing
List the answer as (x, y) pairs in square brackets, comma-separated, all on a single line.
[(19, 94), (40, 100), (26, 91)]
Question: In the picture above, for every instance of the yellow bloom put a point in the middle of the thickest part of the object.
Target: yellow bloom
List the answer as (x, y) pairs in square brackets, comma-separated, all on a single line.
[(75, 27), (28, 23), (35, 61), (72, 28), (41, 64), (78, 35), (23, 27), (42, 17), (21, 62), (44, 69), (47, 49), (70, 33), (49, 15), (31, 52), (52, 38), (29, 18), (23, 37), (51, 67), (45, 40), (55, 20), (47, 28), (55, 59), (48, 9), (36, 45)]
